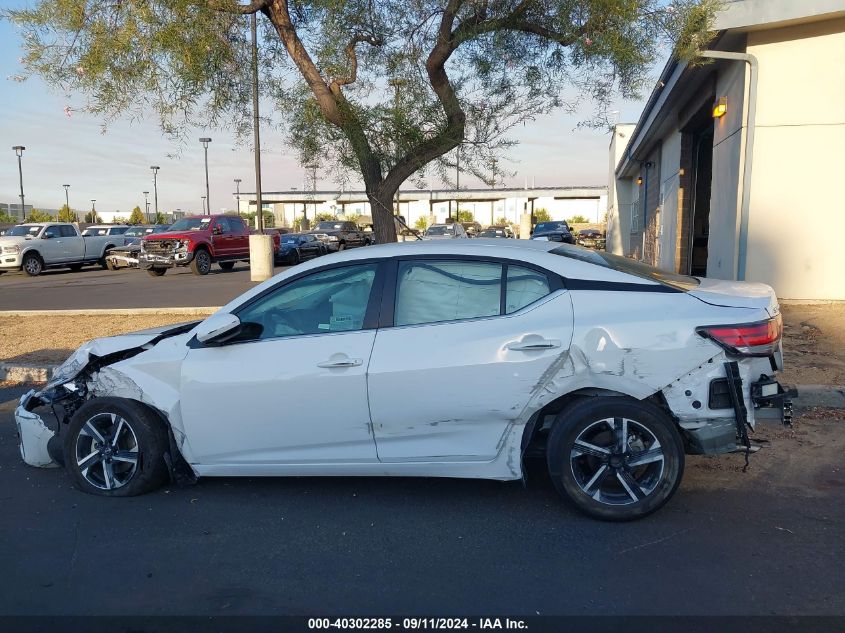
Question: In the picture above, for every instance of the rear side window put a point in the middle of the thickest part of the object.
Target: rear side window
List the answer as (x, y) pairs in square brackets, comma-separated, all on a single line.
[(524, 287), (120, 230), (429, 291), (629, 266)]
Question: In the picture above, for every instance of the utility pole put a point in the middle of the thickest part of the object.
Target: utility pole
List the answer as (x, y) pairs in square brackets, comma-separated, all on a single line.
[(93, 212), (155, 169), (19, 152), (67, 198), (147, 205), (458, 184), (205, 141), (259, 207), (238, 194), (203, 205)]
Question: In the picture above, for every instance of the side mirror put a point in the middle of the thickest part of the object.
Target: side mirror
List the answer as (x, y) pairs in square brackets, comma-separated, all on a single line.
[(47, 236), (217, 230), (218, 328)]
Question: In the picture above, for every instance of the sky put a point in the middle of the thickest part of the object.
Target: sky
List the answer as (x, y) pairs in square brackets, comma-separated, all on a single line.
[(113, 167)]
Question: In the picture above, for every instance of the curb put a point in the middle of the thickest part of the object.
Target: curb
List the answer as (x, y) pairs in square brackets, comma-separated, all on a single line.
[(199, 311)]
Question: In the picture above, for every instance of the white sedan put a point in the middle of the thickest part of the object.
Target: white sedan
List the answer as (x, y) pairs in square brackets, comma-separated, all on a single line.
[(435, 359)]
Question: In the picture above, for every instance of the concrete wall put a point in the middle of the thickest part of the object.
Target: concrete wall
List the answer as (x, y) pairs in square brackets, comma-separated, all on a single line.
[(797, 215), (618, 193), (670, 163)]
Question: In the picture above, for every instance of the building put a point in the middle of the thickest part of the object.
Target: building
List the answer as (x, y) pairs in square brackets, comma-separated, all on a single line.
[(488, 206), (730, 171)]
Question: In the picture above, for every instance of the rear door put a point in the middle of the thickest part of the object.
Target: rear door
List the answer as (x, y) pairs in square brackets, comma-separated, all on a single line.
[(462, 348), (239, 237)]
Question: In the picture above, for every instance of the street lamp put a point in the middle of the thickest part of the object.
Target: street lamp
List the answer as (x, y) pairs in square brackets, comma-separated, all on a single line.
[(19, 152), (203, 204), (93, 212), (155, 169), (205, 141), (147, 205), (238, 193), (67, 198)]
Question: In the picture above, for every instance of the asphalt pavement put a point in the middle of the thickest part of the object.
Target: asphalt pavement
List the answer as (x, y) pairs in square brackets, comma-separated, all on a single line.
[(93, 287), (307, 546)]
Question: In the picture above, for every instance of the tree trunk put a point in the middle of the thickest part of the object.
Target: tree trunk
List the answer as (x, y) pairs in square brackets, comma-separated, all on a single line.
[(381, 207)]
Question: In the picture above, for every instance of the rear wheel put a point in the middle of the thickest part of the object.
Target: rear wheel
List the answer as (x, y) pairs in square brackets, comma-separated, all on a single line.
[(115, 447), (201, 263), (227, 266), (615, 458), (341, 246), (103, 263), (32, 264), (156, 272), (75, 268)]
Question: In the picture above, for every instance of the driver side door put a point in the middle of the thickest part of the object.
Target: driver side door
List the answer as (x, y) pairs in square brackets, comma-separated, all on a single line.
[(291, 391)]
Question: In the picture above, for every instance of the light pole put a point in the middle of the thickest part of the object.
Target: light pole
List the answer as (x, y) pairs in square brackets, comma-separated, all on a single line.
[(19, 152), (147, 205), (205, 141), (155, 169), (255, 121), (67, 197), (238, 193), (93, 212), (203, 204)]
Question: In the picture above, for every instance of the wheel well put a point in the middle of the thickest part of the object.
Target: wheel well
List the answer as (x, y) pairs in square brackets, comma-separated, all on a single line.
[(31, 251), (536, 430)]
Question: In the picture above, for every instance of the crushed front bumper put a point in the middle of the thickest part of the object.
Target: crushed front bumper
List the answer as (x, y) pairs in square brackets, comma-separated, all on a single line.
[(148, 260), (33, 433)]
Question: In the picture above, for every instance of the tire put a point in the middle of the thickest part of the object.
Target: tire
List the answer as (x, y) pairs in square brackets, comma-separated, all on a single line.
[(201, 263), (604, 482), (227, 266), (110, 265), (368, 242), (115, 448), (32, 264), (103, 263), (156, 272), (75, 268), (341, 246), (295, 258)]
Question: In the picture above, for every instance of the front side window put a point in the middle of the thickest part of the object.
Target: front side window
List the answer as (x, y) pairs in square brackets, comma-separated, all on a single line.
[(52, 231), (67, 231), (333, 300), (429, 291)]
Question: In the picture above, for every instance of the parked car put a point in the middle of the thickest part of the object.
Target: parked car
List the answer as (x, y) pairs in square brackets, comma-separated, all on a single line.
[(452, 231), (497, 231), (34, 246), (339, 235), (590, 238), (199, 241), (299, 247), (126, 256), (472, 228), (116, 231), (554, 231), (611, 368)]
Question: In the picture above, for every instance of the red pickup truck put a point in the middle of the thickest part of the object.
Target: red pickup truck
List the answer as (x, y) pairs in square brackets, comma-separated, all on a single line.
[(198, 242)]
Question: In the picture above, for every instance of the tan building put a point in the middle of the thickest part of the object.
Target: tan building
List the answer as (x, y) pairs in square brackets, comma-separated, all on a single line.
[(733, 169)]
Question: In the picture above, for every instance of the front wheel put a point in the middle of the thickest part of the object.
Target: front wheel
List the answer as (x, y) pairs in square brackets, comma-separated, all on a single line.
[(201, 263), (115, 447), (32, 264), (615, 458)]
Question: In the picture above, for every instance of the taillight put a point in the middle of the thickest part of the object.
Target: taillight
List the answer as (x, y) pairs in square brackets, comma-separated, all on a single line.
[(746, 339)]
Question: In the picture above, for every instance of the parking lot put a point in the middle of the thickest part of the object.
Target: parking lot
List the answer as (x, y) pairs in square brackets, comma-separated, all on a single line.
[(95, 288), (765, 542)]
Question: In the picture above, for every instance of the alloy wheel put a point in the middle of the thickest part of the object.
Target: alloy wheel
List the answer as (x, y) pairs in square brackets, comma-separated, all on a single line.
[(617, 461), (106, 451)]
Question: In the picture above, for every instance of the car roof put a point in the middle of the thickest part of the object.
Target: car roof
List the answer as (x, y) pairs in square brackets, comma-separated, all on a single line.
[(103, 226)]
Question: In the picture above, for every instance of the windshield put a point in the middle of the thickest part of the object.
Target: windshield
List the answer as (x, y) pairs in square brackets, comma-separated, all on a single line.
[(330, 226), (492, 233), (629, 266), (24, 229), (441, 229), (290, 240), (550, 226), (137, 231), (191, 224)]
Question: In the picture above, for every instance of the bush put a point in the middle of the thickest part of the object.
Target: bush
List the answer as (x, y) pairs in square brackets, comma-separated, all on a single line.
[(541, 215), (501, 222), (578, 219), (421, 224), (92, 218), (325, 217), (465, 216), (67, 215), (118, 219), (161, 218), (137, 216), (39, 216)]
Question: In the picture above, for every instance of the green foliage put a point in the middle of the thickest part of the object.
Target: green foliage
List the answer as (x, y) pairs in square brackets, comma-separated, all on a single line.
[(39, 216), (269, 219), (297, 225), (66, 214), (421, 224), (325, 217), (5, 218), (541, 215), (465, 216), (502, 222), (92, 217), (137, 216), (578, 219), (118, 219), (161, 218)]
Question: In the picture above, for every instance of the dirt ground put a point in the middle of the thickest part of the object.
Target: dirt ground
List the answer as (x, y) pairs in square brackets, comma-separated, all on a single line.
[(814, 339), (50, 340), (814, 344)]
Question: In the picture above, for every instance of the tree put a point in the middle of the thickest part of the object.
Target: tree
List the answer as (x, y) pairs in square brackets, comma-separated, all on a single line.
[(502, 222), (93, 218), (384, 88), (67, 215), (465, 216), (161, 218), (541, 215), (137, 216), (421, 224), (39, 216), (325, 217), (118, 219), (578, 219)]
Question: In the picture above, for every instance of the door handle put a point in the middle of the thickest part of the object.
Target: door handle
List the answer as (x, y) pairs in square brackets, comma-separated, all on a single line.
[(532, 343), (340, 363)]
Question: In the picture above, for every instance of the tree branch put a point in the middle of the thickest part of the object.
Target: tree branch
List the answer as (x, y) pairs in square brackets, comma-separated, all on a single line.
[(353, 60), (242, 9)]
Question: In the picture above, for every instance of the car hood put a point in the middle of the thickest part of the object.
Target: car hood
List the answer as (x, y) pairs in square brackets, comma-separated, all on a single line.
[(439, 237), (12, 240), (736, 294), (176, 235)]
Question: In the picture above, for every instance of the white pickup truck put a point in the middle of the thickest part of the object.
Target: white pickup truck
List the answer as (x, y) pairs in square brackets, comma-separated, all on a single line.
[(34, 246)]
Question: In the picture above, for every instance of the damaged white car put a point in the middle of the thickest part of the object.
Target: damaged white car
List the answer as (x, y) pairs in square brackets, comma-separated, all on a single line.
[(436, 359)]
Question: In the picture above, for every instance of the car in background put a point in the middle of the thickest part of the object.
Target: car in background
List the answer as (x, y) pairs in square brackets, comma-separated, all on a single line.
[(472, 228), (553, 231), (497, 231), (610, 368), (339, 235), (115, 231), (590, 238), (298, 247), (452, 231), (126, 256)]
